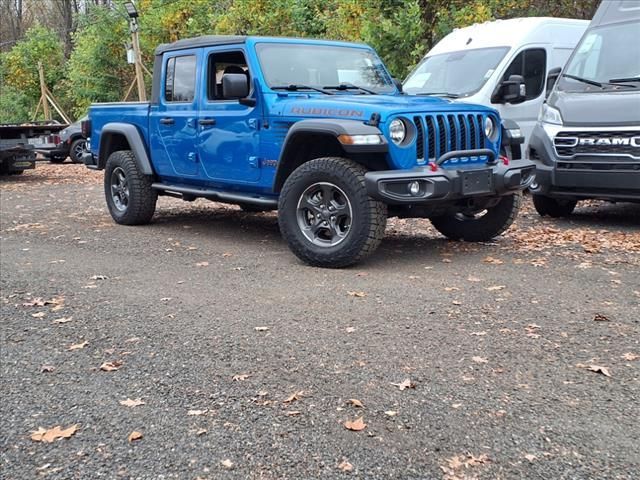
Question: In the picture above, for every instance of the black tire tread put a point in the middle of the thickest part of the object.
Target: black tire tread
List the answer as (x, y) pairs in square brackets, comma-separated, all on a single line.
[(497, 220), (72, 149), (142, 198), (377, 213)]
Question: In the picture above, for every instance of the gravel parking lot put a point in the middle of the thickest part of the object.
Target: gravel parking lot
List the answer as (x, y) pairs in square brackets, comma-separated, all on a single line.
[(231, 359)]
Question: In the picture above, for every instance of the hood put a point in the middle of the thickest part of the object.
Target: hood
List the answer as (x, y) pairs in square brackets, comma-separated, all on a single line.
[(598, 109), (362, 106)]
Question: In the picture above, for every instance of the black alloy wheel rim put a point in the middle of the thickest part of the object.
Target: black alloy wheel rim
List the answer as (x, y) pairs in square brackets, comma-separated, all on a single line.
[(324, 214)]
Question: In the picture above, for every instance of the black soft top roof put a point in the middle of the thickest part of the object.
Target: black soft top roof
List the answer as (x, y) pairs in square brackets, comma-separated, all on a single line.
[(203, 41)]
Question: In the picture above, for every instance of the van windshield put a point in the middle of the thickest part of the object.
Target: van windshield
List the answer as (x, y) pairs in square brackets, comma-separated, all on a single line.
[(607, 57), (460, 73)]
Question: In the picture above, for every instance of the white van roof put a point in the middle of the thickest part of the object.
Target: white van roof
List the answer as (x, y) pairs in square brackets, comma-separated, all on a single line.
[(512, 32)]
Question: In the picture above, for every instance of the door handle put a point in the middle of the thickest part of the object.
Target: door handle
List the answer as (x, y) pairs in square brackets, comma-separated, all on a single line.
[(207, 121), (167, 121)]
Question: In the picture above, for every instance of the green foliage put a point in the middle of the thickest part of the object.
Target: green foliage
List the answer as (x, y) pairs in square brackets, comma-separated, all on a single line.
[(97, 70), (15, 105)]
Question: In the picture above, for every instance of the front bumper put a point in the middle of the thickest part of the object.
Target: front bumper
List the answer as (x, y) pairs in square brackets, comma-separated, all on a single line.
[(587, 177), (443, 185)]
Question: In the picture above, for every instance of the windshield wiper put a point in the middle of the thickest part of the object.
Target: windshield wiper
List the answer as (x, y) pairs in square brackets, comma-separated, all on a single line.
[(583, 80), (625, 80), (439, 94), (351, 86), (295, 87)]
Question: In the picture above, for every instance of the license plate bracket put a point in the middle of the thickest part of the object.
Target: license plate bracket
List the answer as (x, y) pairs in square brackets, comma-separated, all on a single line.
[(475, 182)]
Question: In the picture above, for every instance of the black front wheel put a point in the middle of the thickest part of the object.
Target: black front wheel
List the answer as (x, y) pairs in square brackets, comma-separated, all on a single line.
[(326, 215), (479, 224), (553, 207), (77, 149), (130, 198)]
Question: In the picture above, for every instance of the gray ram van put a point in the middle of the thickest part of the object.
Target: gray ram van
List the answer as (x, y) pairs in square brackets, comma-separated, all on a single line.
[(586, 143)]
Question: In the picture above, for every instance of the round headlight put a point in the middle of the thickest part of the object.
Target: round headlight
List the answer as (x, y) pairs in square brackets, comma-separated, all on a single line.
[(490, 130), (397, 131)]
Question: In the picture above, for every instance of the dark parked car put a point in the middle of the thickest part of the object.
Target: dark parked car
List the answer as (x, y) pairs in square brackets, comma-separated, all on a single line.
[(72, 144)]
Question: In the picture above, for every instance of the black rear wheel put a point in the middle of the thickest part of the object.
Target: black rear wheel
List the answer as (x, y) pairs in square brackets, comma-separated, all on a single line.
[(130, 198), (326, 215), (553, 207)]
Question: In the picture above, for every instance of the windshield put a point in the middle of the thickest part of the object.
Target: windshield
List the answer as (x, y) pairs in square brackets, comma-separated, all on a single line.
[(605, 54), (461, 73), (322, 66)]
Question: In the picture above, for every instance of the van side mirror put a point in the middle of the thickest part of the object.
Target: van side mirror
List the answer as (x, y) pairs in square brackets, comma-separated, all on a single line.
[(235, 86), (552, 78), (512, 90)]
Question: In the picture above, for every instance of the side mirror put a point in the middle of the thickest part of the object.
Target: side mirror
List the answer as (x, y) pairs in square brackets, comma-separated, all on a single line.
[(235, 86), (398, 84), (552, 78), (513, 90)]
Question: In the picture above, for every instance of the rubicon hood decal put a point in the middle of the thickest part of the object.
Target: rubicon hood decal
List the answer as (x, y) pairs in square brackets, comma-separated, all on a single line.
[(326, 112)]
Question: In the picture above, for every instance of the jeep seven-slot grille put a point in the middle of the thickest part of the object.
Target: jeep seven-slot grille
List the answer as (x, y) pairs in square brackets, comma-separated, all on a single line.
[(604, 143), (439, 134)]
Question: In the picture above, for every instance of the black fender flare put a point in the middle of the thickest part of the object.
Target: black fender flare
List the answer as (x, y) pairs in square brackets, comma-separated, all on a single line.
[(325, 127), (134, 139), (512, 139)]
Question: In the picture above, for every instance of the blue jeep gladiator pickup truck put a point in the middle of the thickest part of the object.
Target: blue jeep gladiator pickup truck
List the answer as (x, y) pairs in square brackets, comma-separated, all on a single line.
[(318, 130)]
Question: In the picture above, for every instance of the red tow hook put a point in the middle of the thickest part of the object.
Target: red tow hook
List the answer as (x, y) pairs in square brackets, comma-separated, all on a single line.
[(505, 160), (433, 166)]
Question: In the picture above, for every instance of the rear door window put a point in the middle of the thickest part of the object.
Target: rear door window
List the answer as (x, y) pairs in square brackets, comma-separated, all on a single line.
[(180, 79)]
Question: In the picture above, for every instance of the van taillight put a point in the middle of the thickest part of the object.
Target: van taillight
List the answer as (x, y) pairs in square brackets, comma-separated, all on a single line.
[(85, 127)]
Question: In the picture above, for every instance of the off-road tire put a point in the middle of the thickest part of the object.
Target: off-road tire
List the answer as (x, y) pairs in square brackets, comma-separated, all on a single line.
[(142, 198), (556, 208), (250, 208), (72, 150), (493, 223), (368, 216)]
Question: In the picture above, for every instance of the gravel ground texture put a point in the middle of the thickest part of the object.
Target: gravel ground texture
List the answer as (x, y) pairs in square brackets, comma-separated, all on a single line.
[(199, 347)]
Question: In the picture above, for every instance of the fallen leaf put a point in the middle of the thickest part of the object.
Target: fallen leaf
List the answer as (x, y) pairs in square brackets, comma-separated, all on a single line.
[(457, 302), (471, 278), (197, 412), (227, 463), (496, 287), (478, 334), (451, 289), (111, 366), (133, 436), (99, 277), (202, 264), (630, 356), (456, 405), (479, 359), (227, 254), (132, 403), (78, 346), (201, 431), (492, 260), (600, 318), (47, 368), (261, 329), (599, 369), (391, 413), (294, 396), (240, 378), (355, 425), (355, 402), (345, 466), (165, 299), (292, 413), (51, 434), (63, 320), (357, 294), (530, 457), (38, 314), (406, 383), (350, 329)]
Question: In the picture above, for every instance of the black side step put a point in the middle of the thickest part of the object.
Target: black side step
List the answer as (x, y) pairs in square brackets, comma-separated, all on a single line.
[(217, 195)]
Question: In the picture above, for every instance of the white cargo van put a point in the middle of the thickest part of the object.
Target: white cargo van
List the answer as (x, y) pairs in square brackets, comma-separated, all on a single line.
[(481, 64)]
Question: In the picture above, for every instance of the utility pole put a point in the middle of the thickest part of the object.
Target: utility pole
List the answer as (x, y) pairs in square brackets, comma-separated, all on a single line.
[(135, 44), (43, 93)]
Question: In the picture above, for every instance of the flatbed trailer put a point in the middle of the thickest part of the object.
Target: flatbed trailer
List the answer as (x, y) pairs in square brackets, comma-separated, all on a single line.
[(19, 144)]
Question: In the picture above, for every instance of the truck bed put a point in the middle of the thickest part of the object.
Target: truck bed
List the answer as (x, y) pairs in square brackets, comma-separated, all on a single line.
[(135, 113)]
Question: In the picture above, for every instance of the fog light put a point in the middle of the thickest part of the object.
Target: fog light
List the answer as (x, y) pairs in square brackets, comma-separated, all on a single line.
[(414, 188)]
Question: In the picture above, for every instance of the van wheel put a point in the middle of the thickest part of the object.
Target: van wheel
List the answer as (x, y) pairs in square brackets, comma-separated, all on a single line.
[(480, 225), (77, 149), (326, 215), (553, 207), (130, 198)]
